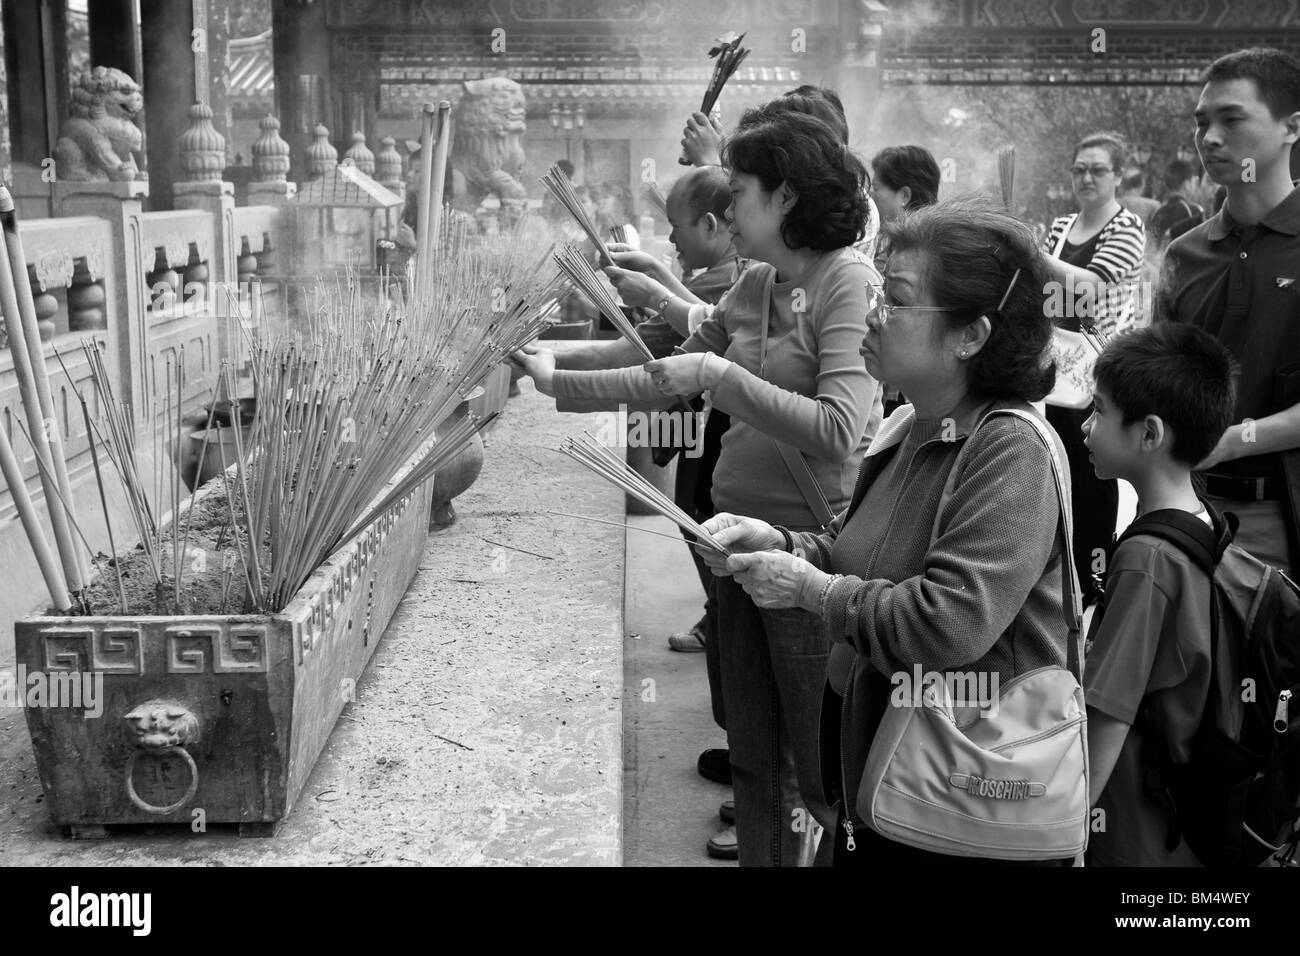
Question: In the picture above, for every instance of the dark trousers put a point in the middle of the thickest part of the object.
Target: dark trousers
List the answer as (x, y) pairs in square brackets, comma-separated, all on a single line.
[(693, 493), (1094, 502)]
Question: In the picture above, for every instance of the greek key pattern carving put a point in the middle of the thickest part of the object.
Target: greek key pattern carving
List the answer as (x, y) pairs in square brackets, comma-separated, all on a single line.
[(222, 649), (109, 650)]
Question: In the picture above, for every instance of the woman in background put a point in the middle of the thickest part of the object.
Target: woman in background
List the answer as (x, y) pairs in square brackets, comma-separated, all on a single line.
[(1097, 254)]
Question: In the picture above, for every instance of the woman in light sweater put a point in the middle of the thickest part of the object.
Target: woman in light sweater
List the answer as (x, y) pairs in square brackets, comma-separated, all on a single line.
[(780, 355), (899, 583)]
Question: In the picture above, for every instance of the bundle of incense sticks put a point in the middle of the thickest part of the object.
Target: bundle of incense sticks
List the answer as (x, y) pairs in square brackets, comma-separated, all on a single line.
[(657, 199), (1007, 173), (619, 234), (363, 387), (727, 55), (579, 271), (561, 187), (19, 312), (590, 453)]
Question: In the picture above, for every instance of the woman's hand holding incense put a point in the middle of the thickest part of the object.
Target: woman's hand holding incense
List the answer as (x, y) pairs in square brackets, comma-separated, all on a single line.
[(539, 364), (701, 140), (737, 534), (778, 579), (635, 288), (687, 374)]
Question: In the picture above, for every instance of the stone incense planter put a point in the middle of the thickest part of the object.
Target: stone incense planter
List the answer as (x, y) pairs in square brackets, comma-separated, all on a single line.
[(218, 716)]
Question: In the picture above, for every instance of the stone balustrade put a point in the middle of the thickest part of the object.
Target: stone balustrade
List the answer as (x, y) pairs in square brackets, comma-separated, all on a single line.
[(142, 285)]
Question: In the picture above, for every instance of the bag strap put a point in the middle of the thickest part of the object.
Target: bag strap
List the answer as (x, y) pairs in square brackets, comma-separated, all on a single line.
[(1065, 235), (1071, 602), (794, 460)]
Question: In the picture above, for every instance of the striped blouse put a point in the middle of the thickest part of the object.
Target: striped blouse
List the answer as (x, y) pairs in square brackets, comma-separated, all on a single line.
[(1117, 259)]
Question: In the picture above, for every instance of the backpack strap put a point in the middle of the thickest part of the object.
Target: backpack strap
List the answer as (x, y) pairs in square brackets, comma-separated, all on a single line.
[(1200, 542), (1071, 601)]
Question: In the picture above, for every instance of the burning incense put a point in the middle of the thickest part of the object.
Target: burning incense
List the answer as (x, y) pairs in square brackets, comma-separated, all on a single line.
[(591, 454), (561, 188), (1007, 173), (727, 57)]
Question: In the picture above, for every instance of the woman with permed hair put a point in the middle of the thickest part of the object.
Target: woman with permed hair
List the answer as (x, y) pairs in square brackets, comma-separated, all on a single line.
[(930, 568), (779, 353)]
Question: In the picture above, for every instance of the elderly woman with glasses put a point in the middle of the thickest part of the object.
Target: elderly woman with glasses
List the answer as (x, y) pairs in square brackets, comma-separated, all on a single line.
[(1097, 257), (910, 575)]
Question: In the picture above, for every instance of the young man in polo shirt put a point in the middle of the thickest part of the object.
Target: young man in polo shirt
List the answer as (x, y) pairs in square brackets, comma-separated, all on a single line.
[(1237, 276)]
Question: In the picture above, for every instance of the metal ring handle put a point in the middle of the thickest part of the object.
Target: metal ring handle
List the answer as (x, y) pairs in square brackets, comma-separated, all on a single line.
[(170, 808)]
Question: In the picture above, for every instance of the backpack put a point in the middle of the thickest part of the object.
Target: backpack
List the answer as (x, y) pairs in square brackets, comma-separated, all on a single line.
[(1239, 789)]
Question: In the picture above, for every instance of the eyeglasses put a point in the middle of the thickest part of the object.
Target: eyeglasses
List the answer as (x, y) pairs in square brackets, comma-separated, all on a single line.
[(885, 311), (1096, 171)]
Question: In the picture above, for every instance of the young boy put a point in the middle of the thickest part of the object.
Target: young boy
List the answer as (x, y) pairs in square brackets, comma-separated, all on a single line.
[(1164, 398)]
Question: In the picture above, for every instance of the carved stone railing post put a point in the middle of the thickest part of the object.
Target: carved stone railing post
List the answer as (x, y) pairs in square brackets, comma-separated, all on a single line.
[(270, 167), (360, 154), (203, 156), (122, 205), (321, 154), (388, 166)]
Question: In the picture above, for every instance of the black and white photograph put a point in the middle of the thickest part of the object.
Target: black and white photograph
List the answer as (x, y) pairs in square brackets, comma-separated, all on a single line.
[(652, 434)]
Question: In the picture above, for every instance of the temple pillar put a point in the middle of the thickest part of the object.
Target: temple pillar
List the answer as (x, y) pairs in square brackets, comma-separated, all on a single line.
[(181, 68), (303, 91), (858, 79), (114, 38)]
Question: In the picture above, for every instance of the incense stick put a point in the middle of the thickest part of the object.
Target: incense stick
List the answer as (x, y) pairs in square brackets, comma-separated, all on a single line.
[(657, 198), (1007, 173), (727, 56), (621, 524), (561, 187), (595, 456), (584, 278)]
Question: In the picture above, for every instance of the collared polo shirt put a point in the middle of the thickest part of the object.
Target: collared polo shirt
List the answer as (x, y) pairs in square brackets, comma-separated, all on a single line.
[(1242, 284)]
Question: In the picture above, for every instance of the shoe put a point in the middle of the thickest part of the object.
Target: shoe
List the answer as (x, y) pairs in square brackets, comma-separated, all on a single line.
[(715, 765), (727, 812), (688, 642), (723, 845)]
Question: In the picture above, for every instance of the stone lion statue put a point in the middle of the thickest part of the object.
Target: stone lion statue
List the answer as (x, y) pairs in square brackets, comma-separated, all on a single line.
[(487, 154), (98, 141)]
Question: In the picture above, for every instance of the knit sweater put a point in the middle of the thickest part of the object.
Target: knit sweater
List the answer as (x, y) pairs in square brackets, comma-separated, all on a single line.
[(815, 393), (985, 597)]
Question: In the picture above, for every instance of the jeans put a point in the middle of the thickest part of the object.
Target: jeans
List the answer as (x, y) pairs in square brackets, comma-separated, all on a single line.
[(773, 664), (692, 493)]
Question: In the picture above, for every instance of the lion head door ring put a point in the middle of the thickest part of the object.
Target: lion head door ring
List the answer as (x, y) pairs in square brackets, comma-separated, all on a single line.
[(158, 728)]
